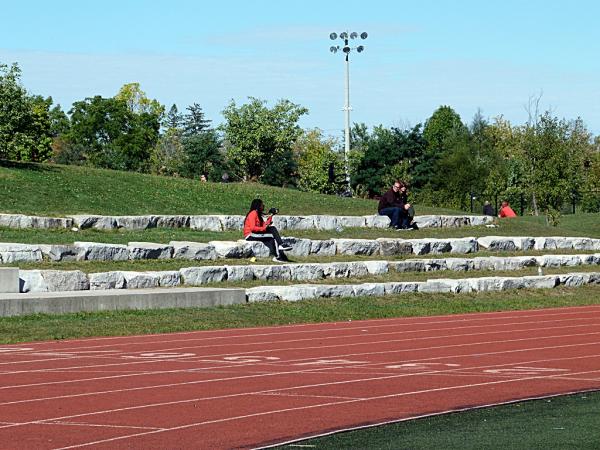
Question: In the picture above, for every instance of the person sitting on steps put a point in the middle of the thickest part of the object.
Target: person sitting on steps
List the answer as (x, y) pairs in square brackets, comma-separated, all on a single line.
[(258, 229), (394, 204)]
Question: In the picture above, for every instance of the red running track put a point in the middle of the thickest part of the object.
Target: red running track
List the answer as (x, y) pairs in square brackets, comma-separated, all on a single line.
[(248, 388)]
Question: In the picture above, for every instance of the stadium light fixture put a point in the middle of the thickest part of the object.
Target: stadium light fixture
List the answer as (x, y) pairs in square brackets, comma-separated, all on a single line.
[(347, 49)]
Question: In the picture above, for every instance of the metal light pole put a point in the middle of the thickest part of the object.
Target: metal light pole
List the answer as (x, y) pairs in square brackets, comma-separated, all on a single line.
[(346, 49)]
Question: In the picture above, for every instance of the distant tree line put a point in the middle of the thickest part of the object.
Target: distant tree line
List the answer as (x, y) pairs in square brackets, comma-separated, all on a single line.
[(546, 160)]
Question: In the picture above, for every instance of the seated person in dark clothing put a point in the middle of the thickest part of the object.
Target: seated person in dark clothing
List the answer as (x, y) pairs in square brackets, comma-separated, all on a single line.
[(394, 204), (256, 228), (488, 210)]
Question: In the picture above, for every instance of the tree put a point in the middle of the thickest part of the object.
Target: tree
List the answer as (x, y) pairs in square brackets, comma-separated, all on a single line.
[(203, 156), (115, 137), (24, 119), (318, 164), (443, 125), (138, 102), (193, 121), (259, 140), (173, 120)]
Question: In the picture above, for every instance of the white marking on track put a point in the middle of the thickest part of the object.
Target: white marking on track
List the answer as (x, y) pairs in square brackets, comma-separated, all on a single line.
[(523, 370)]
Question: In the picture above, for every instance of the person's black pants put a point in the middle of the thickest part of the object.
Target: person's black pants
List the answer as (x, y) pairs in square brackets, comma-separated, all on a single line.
[(271, 239)]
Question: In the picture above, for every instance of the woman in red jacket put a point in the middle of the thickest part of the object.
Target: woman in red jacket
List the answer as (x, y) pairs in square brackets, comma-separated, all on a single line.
[(258, 229)]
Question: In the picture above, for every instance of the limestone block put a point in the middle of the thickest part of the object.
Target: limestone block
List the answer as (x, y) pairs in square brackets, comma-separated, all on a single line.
[(301, 272), (297, 292), (460, 264), (333, 290), (257, 249), (11, 253), (322, 247), (420, 246), (377, 221), (390, 247), (9, 280), (300, 247), (338, 270), (357, 246), (59, 252), (377, 267), (240, 273), (325, 222), (440, 245), (408, 265), (23, 221), (433, 265), (543, 282), (428, 221), (149, 250), (455, 221), (299, 222), (279, 272), (263, 294), (351, 221), (232, 222), (53, 280), (140, 280), (231, 249), (446, 285), (559, 260), (480, 220), (94, 221), (107, 280), (595, 244), (172, 221), (552, 243), (369, 289), (280, 222), (168, 278), (506, 263), (573, 279), (94, 251), (206, 223), (593, 259), (463, 245), (193, 250), (195, 276), (357, 269), (401, 287), (497, 243), (136, 222)]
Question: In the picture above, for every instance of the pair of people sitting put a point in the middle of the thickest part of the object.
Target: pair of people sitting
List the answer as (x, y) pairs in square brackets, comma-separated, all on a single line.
[(394, 204), (256, 228)]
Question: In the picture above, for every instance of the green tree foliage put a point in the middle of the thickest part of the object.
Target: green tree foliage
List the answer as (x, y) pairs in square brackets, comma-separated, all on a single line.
[(168, 154), (443, 126), (194, 122), (318, 163), (24, 119), (173, 121), (389, 153), (259, 139), (137, 101), (203, 155), (113, 135)]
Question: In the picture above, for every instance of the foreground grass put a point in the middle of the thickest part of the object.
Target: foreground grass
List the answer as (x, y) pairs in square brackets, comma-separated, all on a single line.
[(558, 422), (123, 323), (55, 190)]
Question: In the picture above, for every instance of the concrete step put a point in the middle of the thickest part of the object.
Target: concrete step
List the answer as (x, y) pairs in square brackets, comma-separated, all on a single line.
[(76, 301)]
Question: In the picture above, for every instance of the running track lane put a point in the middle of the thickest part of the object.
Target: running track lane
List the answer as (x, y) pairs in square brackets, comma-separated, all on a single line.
[(248, 388)]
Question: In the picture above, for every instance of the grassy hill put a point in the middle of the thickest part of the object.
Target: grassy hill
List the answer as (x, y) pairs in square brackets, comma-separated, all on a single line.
[(55, 190)]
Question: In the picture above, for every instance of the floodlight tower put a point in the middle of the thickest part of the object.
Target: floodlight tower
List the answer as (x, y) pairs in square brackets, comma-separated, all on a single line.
[(346, 49)]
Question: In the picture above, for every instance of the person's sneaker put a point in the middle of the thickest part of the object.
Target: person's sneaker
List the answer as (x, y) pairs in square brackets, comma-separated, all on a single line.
[(277, 260), (284, 248), (414, 226)]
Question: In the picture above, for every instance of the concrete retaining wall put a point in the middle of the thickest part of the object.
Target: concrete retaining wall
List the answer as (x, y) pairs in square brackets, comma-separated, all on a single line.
[(71, 302)]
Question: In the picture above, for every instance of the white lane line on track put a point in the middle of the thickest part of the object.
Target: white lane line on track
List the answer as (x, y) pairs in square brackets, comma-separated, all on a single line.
[(285, 394), (291, 388), (195, 359), (265, 413), (312, 358), (100, 425), (342, 326)]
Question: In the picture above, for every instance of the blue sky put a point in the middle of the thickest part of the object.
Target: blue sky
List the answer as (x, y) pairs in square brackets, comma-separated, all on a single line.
[(419, 55)]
